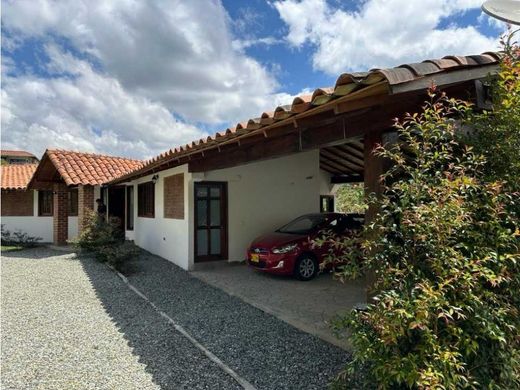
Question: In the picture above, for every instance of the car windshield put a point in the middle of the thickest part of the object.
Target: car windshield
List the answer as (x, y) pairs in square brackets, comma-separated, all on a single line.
[(304, 224)]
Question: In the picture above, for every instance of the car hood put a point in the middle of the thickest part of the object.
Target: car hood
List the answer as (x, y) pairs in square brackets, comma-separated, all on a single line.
[(276, 239)]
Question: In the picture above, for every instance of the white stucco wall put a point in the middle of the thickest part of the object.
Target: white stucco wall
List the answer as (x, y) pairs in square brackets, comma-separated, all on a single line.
[(38, 226), (165, 237), (263, 196), (73, 227), (33, 225), (325, 185)]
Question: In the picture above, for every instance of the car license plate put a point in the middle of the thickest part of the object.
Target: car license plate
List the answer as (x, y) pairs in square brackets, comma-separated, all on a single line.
[(254, 258)]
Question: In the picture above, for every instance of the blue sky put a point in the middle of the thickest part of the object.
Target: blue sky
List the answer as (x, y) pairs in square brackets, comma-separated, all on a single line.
[(135, 78)]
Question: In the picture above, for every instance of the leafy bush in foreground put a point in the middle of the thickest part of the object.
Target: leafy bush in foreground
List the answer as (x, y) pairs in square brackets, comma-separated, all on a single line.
[(106, 240), (18, 238), (444, 252)]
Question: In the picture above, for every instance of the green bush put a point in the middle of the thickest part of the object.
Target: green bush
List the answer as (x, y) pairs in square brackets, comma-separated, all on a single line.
[(18, 239), (117, 255), (97, 232), (350, 198), (106, 241), (444, 252)]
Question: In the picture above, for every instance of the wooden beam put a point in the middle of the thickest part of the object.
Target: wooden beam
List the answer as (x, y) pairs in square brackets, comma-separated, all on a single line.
[(353, 105), (346, 156), (340, 166), (354, 150), (328, 168), (331, 169), (264, 149), (347, 165)]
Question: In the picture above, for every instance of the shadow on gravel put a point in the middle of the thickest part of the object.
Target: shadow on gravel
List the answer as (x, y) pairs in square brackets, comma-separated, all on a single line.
[(173, 362), (266, 351)]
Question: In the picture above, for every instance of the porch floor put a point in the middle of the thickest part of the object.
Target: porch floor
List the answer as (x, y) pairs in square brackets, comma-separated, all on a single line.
[(308, 306)]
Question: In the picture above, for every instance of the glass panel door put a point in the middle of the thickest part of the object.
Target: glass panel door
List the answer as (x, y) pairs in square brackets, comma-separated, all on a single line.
[(210, 221)]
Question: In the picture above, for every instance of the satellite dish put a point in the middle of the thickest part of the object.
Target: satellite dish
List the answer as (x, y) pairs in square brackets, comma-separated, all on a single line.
[(505, 10)]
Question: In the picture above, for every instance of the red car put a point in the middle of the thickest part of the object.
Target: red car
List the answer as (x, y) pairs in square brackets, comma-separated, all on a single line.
[(289, 250)]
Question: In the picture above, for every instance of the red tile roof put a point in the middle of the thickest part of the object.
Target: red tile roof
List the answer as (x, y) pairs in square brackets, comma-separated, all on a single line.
[(357, 84), (16, 176), (89, 168), (16, 153)]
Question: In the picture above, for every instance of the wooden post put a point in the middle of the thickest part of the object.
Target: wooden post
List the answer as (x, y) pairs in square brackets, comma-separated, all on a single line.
[(374, 167)]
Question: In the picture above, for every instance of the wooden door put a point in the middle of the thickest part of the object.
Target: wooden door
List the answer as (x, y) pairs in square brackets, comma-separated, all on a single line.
[(211, 230)]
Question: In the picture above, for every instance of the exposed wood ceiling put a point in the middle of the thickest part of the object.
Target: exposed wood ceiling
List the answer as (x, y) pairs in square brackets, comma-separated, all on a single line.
[(344, 160)]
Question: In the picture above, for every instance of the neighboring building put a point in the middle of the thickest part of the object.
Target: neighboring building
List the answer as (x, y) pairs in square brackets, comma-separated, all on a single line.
[(61, 188), (208, 200), (22, 209), (17, 157)]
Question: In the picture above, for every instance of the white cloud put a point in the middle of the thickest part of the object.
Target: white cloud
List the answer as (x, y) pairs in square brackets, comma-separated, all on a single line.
[(69, 112), (151, 59), (176, 52), (381, 32)]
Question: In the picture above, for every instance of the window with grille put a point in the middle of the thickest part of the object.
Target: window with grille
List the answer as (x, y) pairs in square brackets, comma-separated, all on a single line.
[(73, 202), (45, 199), (146, 200)]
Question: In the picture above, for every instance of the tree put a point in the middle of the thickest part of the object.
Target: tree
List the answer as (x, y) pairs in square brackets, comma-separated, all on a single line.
[(444, 249)]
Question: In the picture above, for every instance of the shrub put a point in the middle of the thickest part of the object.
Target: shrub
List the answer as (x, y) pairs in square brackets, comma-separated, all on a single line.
[(18, 238), (350, 198), (106, 241), (496, 134), (444, 252), (117, 255)]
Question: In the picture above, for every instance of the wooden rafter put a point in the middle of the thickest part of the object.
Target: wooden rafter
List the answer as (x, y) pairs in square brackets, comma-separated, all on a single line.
[(350, 157), (340, 165)]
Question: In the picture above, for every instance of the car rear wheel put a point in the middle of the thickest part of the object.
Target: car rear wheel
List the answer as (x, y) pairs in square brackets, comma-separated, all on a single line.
[(306, 268)]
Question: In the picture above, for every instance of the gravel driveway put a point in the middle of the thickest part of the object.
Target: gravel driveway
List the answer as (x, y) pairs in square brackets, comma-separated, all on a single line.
[(70, 323)]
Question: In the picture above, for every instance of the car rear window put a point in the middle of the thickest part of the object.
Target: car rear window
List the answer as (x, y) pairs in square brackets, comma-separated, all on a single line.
[(303, 225)]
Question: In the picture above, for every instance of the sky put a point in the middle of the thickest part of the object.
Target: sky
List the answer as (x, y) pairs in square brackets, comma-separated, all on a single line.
[(135, 78)]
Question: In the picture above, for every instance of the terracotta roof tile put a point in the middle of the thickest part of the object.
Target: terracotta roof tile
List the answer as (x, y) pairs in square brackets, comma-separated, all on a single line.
[(16, 176), (346, 84), (89, 168), (16, 153)]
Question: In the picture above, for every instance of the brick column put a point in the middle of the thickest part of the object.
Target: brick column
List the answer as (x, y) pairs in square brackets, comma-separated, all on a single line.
[(85, 203), (61, 214)]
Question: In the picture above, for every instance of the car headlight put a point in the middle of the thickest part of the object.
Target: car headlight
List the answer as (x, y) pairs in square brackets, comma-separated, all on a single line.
[(285, 249)]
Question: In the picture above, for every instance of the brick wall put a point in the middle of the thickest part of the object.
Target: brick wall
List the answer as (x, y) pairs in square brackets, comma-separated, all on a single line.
[(61, 215), (17, 203), (174, 196), (85, 203)]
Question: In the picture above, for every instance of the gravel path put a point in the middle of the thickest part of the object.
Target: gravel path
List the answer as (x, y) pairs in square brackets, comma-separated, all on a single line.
[(69, 323), (266, 351)]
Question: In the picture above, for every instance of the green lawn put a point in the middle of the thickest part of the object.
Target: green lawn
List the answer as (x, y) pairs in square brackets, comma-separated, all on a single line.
[(10, 248)]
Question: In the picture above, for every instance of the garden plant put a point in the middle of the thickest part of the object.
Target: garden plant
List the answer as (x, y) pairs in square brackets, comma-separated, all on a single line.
[(106, 241), (443, 250)]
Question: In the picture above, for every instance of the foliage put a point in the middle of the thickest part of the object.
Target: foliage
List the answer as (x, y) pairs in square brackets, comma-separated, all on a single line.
[(10, 248), (106, 240), (444, 252), (117, 255), (18, 239), (496, 132), (350, 198), (97, 232)]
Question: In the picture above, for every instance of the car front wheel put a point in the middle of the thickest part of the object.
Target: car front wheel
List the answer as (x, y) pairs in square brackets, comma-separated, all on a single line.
[(306, 268)]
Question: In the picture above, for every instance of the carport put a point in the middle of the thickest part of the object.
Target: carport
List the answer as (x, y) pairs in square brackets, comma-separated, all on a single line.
[(339, 127)]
